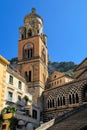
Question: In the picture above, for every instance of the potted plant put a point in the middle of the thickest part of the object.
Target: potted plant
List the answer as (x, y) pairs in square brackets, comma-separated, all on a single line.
[(8, 112), (7, 116)]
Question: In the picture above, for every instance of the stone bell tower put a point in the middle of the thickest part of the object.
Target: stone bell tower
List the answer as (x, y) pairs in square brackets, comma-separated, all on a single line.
[(33, 55)]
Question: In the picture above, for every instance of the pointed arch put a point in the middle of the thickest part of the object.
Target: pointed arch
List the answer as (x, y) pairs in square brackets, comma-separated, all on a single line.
[(50, 102)]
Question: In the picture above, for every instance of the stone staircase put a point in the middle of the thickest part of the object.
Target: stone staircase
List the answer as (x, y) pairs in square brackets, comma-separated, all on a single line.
[(74, 120)]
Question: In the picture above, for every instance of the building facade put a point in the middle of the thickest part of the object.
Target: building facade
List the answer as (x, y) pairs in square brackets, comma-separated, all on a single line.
[(57, 79), (62, 98), (16, 88)]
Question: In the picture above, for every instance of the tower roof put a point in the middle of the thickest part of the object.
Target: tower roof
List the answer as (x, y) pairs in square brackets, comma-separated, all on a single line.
[(32, 15)]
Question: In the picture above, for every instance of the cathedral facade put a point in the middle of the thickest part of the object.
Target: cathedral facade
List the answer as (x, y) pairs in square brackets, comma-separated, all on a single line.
[(59, 93)]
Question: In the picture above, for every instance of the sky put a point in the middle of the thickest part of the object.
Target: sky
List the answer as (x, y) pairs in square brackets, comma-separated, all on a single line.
[(65, 24)]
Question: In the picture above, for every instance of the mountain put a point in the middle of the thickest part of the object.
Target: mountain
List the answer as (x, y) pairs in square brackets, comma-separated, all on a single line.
[(66, 67)]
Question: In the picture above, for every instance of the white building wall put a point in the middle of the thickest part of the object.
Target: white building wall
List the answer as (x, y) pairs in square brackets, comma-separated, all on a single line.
[(14, 88)]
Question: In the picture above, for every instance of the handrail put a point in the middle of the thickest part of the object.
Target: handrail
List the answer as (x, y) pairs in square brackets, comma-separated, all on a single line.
[(46, 125)]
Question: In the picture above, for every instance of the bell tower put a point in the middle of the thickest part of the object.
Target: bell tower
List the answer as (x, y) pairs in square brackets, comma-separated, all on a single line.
[(33, 55)]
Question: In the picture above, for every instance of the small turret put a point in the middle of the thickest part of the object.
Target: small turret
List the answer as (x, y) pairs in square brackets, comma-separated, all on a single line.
[(22, 32)]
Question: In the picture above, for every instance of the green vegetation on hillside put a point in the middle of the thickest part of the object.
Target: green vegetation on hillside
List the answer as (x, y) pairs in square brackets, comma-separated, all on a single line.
[(66, 67)]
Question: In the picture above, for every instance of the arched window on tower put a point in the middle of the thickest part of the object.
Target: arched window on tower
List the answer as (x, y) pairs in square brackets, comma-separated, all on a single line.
[(22, 36), (28, 51), (29, 33), (28, 75)]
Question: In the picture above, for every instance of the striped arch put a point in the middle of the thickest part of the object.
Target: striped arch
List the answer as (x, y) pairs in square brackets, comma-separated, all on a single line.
[(50, 102), (73, 96), (60, 100)]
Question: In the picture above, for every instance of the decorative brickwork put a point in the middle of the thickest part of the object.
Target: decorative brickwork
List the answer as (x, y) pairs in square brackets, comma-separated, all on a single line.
[(58, 100)]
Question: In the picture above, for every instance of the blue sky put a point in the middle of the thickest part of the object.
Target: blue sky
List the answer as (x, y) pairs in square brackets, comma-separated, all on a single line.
[(65, 24)]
